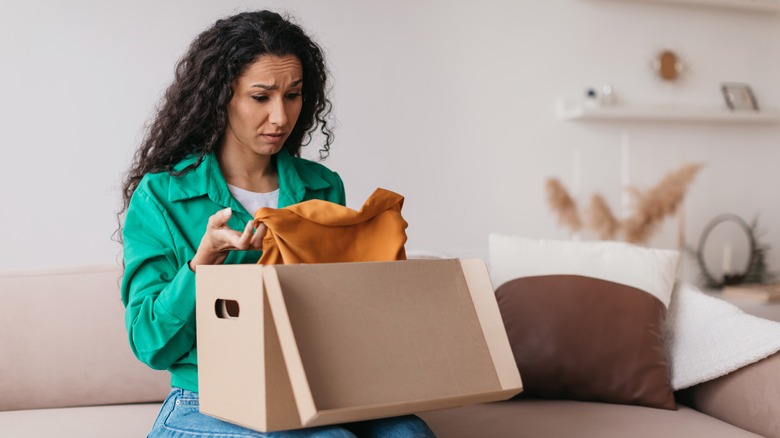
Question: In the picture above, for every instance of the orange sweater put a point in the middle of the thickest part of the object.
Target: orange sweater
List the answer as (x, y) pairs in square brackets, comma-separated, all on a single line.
[(318, 231)]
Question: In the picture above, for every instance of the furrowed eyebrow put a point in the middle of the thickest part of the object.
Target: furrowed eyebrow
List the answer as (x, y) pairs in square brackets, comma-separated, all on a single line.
[(275, 87)]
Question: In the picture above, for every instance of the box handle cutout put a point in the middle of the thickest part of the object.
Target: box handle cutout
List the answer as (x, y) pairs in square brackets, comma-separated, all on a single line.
[(226, 309)]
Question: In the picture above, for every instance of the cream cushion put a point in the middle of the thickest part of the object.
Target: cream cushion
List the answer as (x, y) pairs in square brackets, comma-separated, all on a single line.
[(63, 342), (650, 270)]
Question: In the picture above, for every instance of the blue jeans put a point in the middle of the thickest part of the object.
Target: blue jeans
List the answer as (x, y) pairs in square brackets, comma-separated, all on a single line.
[(180, 417)]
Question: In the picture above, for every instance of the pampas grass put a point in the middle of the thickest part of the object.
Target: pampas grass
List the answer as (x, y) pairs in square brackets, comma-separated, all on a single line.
[(563, 204), (601, 219), (658, 202), (651, 207)]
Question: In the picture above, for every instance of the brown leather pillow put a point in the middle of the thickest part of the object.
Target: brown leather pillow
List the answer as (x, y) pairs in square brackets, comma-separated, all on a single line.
[(584, 338)]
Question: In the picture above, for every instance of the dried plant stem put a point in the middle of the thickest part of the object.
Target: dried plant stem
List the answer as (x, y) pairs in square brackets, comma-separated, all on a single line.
[(601, 219), (656, 203), (563, 205), (650, 207)]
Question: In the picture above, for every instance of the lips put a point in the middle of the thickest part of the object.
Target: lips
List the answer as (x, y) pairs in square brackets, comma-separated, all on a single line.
[(275, 137)]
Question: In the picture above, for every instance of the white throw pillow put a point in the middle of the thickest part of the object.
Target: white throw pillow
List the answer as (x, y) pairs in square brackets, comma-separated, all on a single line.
[(708, 337), (650, 270)]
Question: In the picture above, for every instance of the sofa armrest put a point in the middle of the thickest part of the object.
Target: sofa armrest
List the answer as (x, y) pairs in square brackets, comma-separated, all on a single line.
[(748, 398)]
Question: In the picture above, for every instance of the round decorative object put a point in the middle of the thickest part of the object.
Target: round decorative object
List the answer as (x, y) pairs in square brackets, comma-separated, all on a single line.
[(668, 65), (728, 278)]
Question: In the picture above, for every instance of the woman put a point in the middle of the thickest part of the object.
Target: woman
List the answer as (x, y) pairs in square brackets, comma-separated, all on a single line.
[(226, 140)]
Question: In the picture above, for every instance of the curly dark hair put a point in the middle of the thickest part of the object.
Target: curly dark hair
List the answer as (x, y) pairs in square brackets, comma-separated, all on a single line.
[(192, 116)]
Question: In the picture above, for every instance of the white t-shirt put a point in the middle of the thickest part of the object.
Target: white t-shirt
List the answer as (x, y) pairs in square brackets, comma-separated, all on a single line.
[(253, 200)]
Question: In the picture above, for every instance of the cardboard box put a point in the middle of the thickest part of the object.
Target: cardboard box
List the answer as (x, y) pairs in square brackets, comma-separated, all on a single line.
[(290, 346)]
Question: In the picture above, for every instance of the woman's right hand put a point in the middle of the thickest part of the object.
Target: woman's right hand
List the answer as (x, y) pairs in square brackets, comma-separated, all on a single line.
[(220, 239)]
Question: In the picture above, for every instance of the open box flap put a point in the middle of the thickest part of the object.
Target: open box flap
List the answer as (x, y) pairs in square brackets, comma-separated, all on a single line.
[(338, 325), (292, 358), (477, 277)]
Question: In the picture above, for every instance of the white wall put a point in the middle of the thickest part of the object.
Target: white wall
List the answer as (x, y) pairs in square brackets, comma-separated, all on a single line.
[(451, 104)]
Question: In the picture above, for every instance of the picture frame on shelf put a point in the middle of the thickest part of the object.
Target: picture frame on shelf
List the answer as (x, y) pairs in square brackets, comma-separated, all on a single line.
[(739, 96)]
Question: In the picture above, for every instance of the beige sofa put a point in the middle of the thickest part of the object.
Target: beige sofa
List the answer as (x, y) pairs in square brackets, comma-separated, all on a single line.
[(66, 371)]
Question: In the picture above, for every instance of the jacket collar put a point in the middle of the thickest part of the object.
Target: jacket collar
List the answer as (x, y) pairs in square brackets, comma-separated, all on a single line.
[(207, 179), (295, 178)]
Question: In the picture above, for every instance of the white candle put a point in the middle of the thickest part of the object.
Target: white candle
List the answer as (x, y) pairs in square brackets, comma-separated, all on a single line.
[(625, 177), (681, 215), (576, 181), (576, 176), (727, 259)]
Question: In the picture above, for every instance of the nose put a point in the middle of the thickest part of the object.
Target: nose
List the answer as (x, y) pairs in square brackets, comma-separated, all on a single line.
[(277, 113)]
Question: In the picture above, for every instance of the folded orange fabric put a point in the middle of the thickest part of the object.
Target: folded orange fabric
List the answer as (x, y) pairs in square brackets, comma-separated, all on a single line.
[(317, 231)]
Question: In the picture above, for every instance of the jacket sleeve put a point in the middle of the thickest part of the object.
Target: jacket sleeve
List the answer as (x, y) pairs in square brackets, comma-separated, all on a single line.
[(158, 289), (340, 193)]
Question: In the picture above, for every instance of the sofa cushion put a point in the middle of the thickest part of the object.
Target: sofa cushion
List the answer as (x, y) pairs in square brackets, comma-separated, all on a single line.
[(567, 418), (63, 342), (114, 421), (586, 319)]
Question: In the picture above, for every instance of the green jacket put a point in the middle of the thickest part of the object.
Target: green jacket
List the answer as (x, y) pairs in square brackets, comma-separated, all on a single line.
[(165, 222)]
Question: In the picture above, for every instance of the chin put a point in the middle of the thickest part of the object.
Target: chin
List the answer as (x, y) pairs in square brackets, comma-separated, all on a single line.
[(267, 150)]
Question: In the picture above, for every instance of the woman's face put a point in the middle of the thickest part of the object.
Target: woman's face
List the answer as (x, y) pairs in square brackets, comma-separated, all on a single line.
[(266, 104)]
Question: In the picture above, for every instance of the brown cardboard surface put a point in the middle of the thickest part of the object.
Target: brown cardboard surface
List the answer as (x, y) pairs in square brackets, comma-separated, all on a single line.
[(244, 363), (350, 341), (232, 392), (493, 326)]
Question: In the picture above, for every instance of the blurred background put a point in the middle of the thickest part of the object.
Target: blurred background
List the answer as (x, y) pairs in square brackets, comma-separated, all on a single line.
[(454, 105)]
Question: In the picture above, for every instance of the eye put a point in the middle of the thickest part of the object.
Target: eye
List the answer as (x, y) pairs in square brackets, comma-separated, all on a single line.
[(293, 96), (261, 98)]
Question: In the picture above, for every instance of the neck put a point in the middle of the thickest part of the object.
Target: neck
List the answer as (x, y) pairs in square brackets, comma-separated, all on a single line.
[(247, 170)]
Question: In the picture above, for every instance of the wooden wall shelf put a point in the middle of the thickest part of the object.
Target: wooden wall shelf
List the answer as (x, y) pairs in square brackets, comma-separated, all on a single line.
[(574, 110), (771, 6)]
